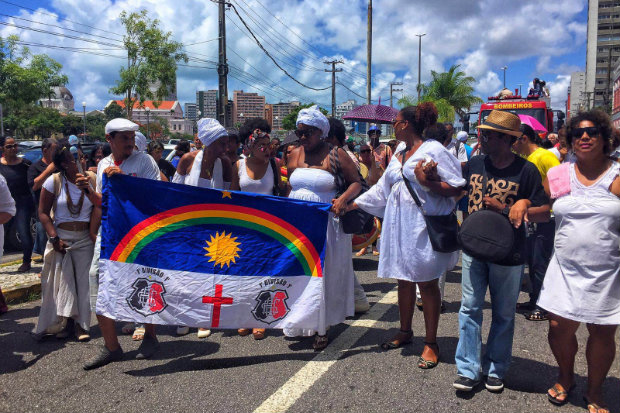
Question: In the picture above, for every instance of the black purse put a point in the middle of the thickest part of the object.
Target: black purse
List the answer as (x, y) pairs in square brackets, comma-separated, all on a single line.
[(442, 229), (487, 235), (357, 221)]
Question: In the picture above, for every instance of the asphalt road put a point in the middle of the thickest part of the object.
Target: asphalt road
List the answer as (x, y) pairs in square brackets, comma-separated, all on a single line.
[(226, 373)]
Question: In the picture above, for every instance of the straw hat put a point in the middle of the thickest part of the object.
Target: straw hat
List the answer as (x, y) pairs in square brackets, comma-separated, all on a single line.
[(502, 122)]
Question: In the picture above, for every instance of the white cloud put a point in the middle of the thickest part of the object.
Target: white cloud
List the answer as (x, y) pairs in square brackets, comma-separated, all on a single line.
[(481, 36), (558, 90)]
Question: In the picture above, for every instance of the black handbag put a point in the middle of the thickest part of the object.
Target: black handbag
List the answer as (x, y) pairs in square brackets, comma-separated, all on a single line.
[(442, 229), (487, 235), (357, 221)]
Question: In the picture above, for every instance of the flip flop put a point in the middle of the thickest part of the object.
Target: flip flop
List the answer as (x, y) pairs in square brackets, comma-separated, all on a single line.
[(396, 343), (537, 315), (559, 391), (138, 334), (593, 407)]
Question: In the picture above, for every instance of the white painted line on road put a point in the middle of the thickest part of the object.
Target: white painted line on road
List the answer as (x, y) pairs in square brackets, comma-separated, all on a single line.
[(311, 372)]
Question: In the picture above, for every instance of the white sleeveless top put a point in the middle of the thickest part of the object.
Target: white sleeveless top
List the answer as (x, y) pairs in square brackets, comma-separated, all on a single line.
[(257, 186), (194, 179)]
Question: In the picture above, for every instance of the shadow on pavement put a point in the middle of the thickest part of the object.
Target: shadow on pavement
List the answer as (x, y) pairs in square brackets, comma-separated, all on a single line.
[(365, 264)]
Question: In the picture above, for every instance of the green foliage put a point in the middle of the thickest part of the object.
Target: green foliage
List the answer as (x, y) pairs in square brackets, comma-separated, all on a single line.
[(445, 111), (288, 123), (24, 77), (31, 120), (455, 87), (152, 59), (113, 111)]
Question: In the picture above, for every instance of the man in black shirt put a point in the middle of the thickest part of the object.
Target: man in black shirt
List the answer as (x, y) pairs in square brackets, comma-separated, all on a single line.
[(514, 189), (38, 172)]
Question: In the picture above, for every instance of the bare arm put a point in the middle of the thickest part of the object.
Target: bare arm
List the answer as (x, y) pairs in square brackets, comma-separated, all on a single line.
[(436, 186), (39, 180), (46, 201), (5, 217), (351, 177), (234, 184)]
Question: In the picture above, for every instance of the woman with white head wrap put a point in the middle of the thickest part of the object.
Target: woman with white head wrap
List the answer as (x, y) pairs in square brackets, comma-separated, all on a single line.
[(312, 179), (205, 168), (140, 140)]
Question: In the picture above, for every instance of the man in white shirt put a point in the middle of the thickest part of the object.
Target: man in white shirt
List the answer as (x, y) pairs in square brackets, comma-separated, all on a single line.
[(7, 211), (454, 146), (120, 133)]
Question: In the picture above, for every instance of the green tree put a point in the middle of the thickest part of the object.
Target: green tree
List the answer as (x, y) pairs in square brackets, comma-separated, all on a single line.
[(152, 59), (32, 121), (72, 125), (113, 111), (445, 111), (288, 123), (95, 126), (25, 78), (455, 87)]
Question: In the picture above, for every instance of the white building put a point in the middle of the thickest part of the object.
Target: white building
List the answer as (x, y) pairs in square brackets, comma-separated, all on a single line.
[(577, 91), (343, 108)]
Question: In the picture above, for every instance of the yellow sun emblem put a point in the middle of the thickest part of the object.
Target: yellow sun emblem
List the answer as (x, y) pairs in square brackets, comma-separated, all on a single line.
[(223, 249)]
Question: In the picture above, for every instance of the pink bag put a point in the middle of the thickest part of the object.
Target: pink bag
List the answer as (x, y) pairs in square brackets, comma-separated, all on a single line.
[(559, 180)]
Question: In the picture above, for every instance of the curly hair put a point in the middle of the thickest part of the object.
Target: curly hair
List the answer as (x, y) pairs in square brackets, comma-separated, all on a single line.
[(252, 124), (531, 134), (420, 117), (602, 122), (437, 132), (337, 130)]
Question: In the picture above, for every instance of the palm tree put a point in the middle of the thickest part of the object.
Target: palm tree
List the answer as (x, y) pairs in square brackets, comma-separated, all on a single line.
[(444, 110), (455, 87)]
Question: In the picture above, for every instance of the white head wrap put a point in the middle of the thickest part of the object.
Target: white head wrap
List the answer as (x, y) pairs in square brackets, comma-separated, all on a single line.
[(461, 136), (210, 130), (120, 125), (140, 141), (312, 116), (73, 140)]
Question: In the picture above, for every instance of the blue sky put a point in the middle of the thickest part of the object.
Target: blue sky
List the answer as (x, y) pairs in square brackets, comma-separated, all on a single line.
[(532, 38)]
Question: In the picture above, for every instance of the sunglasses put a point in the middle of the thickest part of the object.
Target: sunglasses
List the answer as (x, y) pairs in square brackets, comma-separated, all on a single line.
[(10, 146), (365, 151), (592, 132), (304, 132)]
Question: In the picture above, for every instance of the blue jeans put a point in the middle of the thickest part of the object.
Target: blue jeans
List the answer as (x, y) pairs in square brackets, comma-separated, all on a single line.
[(504, 283), (540, 250), (24, 207), (40, 240)]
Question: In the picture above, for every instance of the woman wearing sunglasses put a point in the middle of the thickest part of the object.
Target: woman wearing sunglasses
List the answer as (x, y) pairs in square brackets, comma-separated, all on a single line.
[(15, 171), (312, 179), (582, 283)]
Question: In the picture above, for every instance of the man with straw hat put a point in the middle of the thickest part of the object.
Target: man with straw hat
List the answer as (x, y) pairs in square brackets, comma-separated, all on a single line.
[(514, 189)]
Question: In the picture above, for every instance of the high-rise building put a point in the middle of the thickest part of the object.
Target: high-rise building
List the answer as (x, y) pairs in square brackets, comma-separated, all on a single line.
[(342, 110), (280, 111), (576, 92), (603, 50), (206, 102), (615, 107), (269, 114), (191, 111), (247, 105)]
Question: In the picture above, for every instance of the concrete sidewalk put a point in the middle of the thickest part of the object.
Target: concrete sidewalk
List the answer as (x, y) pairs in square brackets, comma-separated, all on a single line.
[(16, 286)]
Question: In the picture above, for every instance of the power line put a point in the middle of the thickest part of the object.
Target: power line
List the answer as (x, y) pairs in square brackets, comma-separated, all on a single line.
[(57, 34), (269, 55)]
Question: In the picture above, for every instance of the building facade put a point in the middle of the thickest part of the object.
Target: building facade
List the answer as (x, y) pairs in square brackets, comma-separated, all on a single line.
[(280, 111), (603, 50), (168, 110), (342, 110), (60, 99), (191, 111), (181, 126), (615, 107), (206, 102), (576, 94), (247, 105)]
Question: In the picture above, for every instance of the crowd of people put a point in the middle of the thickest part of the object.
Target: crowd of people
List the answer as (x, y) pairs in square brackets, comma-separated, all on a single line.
[(554, 205)]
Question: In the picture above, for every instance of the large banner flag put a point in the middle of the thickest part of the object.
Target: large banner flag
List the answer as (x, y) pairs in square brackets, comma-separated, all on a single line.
[(181, 255)]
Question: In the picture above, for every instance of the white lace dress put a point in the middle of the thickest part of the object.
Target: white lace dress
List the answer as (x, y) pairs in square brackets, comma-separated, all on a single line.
[(311, 184), (582, 282)]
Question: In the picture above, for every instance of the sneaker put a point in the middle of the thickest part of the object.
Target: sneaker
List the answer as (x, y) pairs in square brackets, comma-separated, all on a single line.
[(25, 267), (182, 330), (147, 348), (362, 305), (104, 357), (494, 384), (465, 383), (203, 333)]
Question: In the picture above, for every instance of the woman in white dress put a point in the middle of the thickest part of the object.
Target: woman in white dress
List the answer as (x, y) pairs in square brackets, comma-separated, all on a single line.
[(582, 283), (257, 173), (406, 253), (65, 213), (206, 168), (311, 179)]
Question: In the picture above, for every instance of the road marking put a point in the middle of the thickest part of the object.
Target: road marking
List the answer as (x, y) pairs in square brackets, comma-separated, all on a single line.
[(311, 372)]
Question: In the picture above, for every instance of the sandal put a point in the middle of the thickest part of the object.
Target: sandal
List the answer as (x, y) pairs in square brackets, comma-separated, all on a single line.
[(559, 391), (425, 364), (320, 342), (397, 341), (258, 333), (138, 334), (537, 315), (361, 252), (593, 407), (419, 304), (81, 335)]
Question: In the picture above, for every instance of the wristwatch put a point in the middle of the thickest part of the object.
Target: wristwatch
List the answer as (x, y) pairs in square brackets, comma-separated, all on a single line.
[(54, 240), (506, 210)]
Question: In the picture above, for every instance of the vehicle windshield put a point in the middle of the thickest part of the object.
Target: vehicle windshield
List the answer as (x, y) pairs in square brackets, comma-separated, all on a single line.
[(538, 114)]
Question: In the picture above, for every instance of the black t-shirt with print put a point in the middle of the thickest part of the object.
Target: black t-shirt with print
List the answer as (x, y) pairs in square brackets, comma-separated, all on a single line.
[(519, 180)]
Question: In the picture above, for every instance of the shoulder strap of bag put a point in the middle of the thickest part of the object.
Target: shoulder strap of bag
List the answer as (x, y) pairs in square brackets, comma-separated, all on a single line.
[(334, 164), (57, 180), (408, 184)]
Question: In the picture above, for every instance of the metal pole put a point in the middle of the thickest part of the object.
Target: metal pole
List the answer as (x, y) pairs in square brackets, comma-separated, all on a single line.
[(1, 121), (520, 84), (148, 134), (504, 69), (222, 67), (369, 53), (333, 72), (84, 113), (419, 62)]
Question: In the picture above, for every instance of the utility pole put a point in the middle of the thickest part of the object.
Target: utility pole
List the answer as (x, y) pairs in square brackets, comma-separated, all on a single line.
[(333, 72), (394, 90), (520, 84), (369, 53), (222, 67), (504, 69), (419, 62)]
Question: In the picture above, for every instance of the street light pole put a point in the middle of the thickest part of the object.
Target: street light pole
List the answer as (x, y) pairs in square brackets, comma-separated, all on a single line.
[(504, 69), (84, 115), (419, 61), (148, 110)]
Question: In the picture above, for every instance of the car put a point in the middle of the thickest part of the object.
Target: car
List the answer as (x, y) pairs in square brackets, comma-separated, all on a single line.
[(32, 153), (168, 152), (173, 141)]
